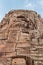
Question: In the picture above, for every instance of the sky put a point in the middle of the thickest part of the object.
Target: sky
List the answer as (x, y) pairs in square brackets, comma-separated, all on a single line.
[(7, 5)]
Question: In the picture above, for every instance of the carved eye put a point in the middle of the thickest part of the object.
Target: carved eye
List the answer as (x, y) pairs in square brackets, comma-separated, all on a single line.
[(42, 36)]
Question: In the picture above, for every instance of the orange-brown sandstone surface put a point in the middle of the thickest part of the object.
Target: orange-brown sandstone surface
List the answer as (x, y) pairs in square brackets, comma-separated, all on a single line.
[(21, 38)]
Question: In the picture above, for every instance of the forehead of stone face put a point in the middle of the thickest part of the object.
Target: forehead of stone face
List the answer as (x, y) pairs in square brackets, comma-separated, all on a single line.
[(19, 16)]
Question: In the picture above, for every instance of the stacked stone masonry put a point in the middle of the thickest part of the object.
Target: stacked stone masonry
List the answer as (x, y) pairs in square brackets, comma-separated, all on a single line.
[(21, 38)]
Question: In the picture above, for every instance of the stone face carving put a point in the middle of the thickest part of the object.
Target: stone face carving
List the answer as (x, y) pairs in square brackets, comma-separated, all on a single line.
[(21, 38)]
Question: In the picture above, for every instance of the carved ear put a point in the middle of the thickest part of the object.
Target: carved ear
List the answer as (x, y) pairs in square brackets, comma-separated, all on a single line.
[(29, 61)]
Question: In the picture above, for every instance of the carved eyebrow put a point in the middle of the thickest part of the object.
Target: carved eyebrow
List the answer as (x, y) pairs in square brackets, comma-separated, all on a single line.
[(21, 16)]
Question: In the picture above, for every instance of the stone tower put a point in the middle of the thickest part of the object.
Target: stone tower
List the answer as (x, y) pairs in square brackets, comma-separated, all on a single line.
[(21, 38)]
